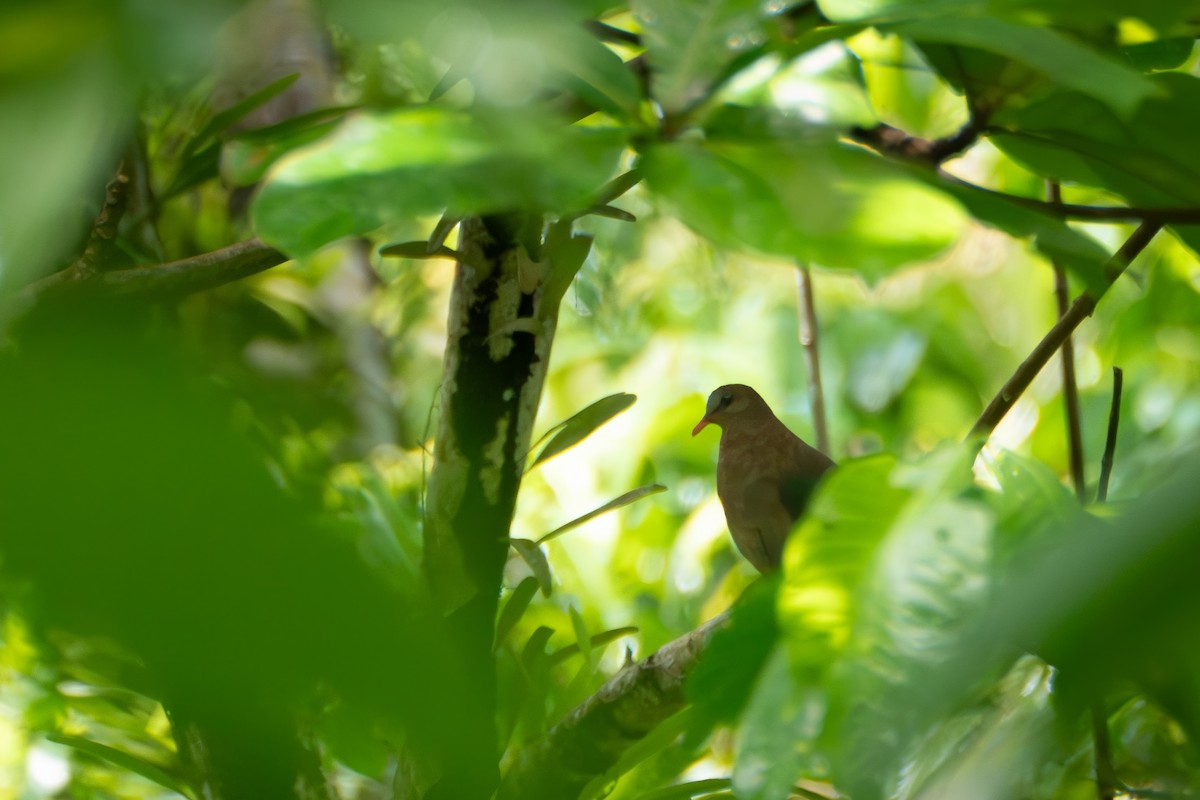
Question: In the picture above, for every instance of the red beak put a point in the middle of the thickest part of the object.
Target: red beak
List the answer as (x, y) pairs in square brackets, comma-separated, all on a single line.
[(700, 425)]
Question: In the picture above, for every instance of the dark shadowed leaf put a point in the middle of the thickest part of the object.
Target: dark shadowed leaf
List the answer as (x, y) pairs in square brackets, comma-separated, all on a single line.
[(517, 602)]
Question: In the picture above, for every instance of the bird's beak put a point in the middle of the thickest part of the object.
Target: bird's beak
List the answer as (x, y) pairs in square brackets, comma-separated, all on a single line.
[(700, 425)]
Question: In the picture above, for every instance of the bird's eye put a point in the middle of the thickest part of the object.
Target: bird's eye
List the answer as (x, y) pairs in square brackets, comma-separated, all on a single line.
[(726, 399)]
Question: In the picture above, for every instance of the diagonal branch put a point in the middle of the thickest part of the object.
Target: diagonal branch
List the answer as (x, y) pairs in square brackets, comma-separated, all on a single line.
[(1082, 308), (185, 276), (591, 738)]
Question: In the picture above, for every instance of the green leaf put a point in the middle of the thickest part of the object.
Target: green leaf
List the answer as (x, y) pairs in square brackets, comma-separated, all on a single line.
[(815, 201), (381, 168), (518, 601), (1160, 54), (778, 719), (583, 639), (536, 559), (221, 121), (418, 249), (599, 640), (631, 496), (595, 74), (724, 678), (574, 430), (690, 43), (150, 771), (441, 230), (1062, 60), (689, 789)]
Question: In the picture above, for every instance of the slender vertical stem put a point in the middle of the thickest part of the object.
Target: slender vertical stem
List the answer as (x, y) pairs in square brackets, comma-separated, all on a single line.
[(810, 341), (1106, 776), (1110, 444), (1070, 387)]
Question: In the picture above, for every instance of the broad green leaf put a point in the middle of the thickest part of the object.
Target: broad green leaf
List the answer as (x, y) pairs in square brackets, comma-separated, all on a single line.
[(1160, 54), (881, 580), (140, 766), (631, 496), (721, 683), (574, 430), (599, 640), (815, 201), (1147, 159), (535, 557), (779, 719), (595, 74), (1062, 60), (381, 168), (517, 602), (689, 44), (1158, 13)]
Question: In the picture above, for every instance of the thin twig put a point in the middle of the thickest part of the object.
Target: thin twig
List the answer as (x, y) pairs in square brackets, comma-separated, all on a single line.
[(892, 141), (1110, 444), (104, 229), (810, 341), (1082, 308), (1184, 215), (1070, 387), (1106, 774)]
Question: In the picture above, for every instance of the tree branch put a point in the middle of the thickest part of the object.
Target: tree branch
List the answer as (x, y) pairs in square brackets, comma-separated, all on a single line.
[(593, 736), (1082, 308), (1159, 216), (890, 141), (185, 276), (104, 229)]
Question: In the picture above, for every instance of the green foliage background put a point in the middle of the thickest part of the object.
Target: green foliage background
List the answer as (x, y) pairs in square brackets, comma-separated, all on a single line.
[(947, 616)]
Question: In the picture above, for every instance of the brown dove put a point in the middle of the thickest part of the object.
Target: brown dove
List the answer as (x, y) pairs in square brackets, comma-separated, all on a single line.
[(765, 473)]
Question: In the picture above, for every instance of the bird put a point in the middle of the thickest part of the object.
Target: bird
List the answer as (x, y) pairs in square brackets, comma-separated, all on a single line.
[(765, 473)]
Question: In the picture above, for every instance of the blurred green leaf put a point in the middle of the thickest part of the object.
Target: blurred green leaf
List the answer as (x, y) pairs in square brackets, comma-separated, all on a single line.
[(382, 168), (631, 496), (1160, 54), (512, 611), (222, 120), (598, 640), (583, 639), (690, 44), (418, 249), (152, 772), (1057, 57), (581, 425), (815, 201)]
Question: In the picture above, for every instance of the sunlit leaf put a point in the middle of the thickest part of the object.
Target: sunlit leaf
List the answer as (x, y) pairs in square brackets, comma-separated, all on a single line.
[(385, 167), (575, 429), (223, 119), (151, 772), (631, 496)]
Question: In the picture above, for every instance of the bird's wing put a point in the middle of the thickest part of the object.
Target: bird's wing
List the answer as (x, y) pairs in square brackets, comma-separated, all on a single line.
[(765, 523), (794, 492)]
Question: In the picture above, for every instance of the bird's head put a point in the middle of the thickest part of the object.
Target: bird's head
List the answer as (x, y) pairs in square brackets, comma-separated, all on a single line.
[(728, 404)]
